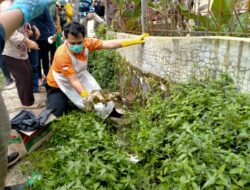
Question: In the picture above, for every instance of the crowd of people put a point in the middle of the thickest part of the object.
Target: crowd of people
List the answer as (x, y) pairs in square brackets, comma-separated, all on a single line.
[(30, 49), (31, 36)]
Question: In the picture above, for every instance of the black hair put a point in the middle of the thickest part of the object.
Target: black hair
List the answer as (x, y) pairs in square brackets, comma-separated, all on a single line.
[(74, 28)]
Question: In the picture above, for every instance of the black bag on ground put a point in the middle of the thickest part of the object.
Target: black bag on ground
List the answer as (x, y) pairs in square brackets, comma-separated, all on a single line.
[(27, 121)]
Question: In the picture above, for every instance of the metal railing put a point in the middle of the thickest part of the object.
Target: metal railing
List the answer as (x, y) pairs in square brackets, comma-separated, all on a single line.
[(185, 17)]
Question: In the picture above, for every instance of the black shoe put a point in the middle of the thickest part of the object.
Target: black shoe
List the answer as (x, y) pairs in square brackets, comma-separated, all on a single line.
[(13, 158), (116, 116), (116, 113)]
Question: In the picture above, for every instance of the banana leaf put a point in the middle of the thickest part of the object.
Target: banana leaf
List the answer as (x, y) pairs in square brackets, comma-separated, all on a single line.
[(204, 21), (222, 11)]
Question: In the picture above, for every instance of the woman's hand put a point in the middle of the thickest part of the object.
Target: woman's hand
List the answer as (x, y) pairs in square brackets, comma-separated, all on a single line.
[(31, 44)]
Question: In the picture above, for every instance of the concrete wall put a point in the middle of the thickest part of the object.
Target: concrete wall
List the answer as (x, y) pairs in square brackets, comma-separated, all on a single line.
[(179, 58)]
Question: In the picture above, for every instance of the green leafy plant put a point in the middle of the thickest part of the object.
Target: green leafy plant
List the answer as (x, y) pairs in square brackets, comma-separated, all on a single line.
[(83, 155), (103, 65), (164, 18), (223, 18), (127, 17), (102, 30), (198, 138), (195, 138)]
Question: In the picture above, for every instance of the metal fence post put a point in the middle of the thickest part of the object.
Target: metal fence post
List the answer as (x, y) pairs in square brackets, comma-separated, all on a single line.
[(143, 14), (106, 12)]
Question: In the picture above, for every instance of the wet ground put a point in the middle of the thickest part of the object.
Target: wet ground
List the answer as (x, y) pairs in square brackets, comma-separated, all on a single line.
[(14, 106)]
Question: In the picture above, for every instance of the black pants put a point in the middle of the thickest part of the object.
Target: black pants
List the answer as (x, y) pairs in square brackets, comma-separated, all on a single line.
[(34, 61), (45, 48), (6, 72), (57, 101), (23, 74)]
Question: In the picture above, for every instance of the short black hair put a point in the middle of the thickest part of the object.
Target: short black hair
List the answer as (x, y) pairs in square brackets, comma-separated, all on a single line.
[(74, 28)]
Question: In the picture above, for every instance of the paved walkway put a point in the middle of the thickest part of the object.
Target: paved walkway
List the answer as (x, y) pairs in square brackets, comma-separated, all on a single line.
[(14, 106)]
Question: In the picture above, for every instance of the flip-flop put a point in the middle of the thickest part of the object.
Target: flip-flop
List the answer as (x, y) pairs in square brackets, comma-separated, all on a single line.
[(34, 106)]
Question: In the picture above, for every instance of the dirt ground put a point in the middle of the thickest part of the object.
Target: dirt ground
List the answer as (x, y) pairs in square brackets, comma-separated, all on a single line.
[(14, 106)]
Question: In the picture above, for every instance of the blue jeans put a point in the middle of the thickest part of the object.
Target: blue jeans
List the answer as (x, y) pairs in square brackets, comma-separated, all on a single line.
[(34, 61)]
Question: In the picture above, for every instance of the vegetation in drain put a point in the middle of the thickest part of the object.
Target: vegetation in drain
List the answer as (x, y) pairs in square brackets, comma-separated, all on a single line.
[(196, 138), (103, 66)]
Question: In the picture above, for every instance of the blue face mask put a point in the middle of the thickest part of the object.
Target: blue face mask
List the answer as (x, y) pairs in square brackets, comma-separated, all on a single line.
[(76, 48)]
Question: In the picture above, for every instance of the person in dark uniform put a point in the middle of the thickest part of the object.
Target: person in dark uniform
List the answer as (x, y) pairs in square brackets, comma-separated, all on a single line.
[(99, 8)]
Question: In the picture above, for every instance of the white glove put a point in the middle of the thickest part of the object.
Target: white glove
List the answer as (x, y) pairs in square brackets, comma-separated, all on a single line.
[(91, 99)]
